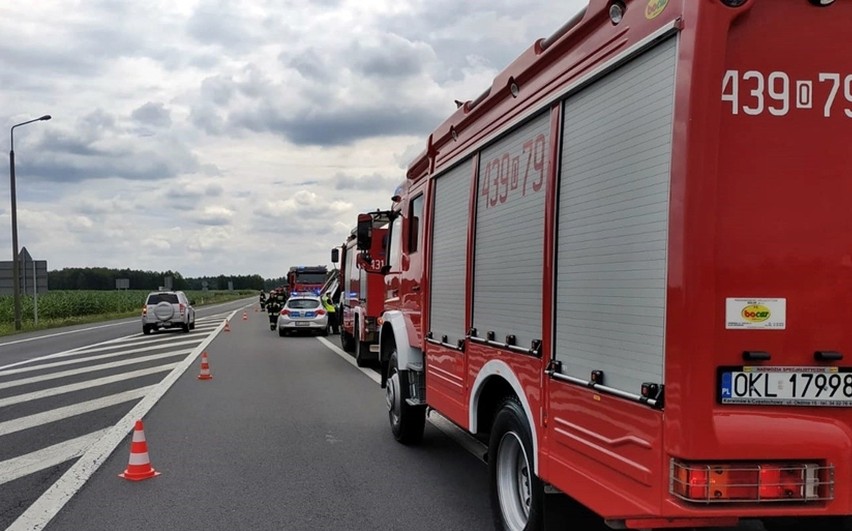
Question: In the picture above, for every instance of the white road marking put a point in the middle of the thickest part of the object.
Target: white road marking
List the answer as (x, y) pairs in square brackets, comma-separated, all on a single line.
[(94, 358), (50, 356), (37, 515), (31, 421), (57, 334), (57, 454), (106, 345), (91, 368), (70, 388), (447, 427), (149, 343), (349, 359), (201, 325), (71, 351)]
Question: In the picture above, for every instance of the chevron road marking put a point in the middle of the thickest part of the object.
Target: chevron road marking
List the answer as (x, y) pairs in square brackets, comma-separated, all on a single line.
[(57, 454), (70, 388)]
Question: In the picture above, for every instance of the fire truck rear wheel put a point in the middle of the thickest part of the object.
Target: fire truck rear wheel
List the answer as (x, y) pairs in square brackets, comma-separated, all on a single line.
[(407, 421), (832, 523), (517, 495)]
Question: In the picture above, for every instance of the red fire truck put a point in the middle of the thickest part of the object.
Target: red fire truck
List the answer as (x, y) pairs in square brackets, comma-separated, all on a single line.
[(620, 266), (306, 278), (362, 292)]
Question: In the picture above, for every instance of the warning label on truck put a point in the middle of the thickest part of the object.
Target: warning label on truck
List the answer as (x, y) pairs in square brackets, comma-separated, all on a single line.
[(744, 313)]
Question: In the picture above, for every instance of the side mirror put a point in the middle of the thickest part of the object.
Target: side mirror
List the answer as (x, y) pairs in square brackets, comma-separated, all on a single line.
[(364, 232), (335, 255)]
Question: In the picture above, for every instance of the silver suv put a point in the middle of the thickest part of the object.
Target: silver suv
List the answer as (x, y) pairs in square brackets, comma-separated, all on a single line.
[(167, 309)]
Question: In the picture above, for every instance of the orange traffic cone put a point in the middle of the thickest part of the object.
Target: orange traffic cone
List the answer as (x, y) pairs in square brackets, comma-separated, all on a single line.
[(139, 467), (227, 326), (245, 315), (205, 368)]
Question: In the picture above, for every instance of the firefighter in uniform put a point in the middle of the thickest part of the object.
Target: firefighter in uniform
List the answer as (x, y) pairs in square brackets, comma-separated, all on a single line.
[(274, 304), (332, 313)]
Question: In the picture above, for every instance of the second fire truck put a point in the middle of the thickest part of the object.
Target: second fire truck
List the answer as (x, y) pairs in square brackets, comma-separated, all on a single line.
[(362, 292)]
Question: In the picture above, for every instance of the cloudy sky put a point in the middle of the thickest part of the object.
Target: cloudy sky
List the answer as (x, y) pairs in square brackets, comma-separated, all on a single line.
[(231, 136)]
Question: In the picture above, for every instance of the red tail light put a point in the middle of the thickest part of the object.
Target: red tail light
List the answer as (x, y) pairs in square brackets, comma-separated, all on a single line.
[(144, 311), (285, 311), (751, 482), (182, 309), (320, 312)]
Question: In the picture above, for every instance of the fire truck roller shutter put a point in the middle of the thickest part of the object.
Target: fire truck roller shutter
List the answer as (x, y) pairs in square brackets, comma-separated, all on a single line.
[(612, 225), (509, 234), (449, 241)]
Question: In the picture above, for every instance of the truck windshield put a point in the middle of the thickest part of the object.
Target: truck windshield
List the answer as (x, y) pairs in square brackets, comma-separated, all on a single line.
[(311, 278)]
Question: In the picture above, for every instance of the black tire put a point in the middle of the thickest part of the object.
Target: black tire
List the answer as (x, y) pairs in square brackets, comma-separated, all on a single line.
[(830, 523), (347, 342), (185, 328), (146, 330), (362, 348), (282, 332), (324, 331), (517, 495), (407, 421)]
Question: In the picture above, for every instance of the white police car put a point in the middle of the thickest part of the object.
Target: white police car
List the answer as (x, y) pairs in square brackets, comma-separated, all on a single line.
[(303, 312)]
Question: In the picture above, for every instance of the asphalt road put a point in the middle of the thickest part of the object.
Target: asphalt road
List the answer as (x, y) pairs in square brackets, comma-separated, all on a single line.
[(61, 391), (288, 434)]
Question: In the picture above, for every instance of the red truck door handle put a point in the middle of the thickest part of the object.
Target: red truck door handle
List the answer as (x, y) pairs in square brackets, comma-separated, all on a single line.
[(415, 287)]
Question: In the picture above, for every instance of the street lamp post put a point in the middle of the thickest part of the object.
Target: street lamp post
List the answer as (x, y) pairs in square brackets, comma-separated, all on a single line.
[(16, 271)]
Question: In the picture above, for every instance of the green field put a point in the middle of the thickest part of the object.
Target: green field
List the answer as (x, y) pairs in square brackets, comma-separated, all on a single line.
[(61, 308)]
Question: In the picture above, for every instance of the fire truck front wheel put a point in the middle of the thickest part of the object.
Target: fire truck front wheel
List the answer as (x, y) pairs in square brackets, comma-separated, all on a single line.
[(517, 495), (407, 421)]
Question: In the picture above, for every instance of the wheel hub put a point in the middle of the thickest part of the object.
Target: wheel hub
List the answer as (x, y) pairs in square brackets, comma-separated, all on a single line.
[(392, 396), (514, 484)]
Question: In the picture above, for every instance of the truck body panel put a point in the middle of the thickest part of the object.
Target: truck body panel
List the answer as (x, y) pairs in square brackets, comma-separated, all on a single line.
[(644, 226)]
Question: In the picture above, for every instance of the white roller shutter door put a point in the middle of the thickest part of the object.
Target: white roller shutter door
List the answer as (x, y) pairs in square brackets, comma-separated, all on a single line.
[(449, 253), (613, 223), (510, 234)]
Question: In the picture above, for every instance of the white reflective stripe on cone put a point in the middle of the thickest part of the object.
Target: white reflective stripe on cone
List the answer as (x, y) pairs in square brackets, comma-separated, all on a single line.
[(139, 436), (139, 459)]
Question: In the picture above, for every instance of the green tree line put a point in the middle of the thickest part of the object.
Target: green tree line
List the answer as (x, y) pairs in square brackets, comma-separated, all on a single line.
[(103, 278)]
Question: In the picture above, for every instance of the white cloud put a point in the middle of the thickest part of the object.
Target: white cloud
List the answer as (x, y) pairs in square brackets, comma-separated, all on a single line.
[(189, 134)]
